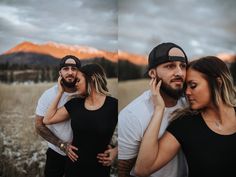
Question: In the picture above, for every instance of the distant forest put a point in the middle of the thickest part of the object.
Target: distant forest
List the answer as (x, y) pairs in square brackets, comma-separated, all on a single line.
[(233, 71), (130, 71), (24, 66)]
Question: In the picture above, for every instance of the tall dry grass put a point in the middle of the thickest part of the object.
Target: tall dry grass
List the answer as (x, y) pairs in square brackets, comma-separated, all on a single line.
[(22, 151), (129, 90)]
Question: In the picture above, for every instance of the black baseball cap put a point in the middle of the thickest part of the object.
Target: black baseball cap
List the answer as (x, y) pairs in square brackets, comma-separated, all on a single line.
[(67, 57), (161, 54)]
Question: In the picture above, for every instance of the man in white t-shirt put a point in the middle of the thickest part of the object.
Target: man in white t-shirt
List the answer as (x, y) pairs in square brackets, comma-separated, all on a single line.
[(57, 135), (167, 61)]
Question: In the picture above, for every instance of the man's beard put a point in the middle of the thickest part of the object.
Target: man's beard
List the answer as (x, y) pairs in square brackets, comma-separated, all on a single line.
[(174, 93), (68, 84)]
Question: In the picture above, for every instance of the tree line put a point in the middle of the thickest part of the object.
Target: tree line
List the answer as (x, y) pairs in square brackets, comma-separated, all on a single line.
[(22, 66)]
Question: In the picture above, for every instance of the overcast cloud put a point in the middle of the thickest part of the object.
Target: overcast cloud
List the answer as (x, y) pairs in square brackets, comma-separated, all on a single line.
[(201, 27), (74, 22)]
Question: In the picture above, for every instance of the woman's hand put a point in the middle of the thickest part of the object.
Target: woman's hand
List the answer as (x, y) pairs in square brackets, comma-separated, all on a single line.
[(68, 149), (54, 114), (156, 96), (107, 158), (60, 85)]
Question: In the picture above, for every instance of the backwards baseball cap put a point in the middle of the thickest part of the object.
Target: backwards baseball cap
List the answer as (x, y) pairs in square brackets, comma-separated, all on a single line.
[(64, 61), (166, 52)]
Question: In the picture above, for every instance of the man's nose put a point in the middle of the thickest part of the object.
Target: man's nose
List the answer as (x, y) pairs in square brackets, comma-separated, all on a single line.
[(179, 71), (70, 71)]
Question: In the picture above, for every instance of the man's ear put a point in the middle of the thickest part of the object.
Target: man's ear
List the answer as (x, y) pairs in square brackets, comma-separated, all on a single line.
[(152, 73)]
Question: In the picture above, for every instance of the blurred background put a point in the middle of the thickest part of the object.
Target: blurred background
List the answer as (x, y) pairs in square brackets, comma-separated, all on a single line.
[(200, 27), (118, 34), (34, 36)]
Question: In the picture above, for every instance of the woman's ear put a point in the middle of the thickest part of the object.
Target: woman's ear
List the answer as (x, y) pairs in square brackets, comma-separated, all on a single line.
[(219, 82), (152, 73), (93, 78)]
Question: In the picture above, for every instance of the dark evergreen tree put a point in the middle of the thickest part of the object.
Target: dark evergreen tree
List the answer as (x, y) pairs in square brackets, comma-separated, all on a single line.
[(129, 70), (233, 71)]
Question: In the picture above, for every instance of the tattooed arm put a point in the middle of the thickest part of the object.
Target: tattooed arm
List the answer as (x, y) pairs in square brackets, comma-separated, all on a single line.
[(45, 133), (129, 137), (125, 166)]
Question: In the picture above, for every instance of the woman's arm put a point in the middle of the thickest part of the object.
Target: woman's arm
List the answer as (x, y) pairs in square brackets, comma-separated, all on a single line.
[(59, 115), (53, 114), (154, 154), (152, 157)]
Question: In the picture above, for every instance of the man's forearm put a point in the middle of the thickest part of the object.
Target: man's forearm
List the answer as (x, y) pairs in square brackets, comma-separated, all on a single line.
[(46, 133), (125, 166)]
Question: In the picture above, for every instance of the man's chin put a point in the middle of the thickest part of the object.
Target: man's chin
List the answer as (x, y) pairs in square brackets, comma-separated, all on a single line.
[(69, 84), (175, 93), (177, 86)]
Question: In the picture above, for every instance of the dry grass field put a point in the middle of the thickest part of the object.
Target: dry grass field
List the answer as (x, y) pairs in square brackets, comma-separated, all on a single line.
[(129, 90), (22, 151)]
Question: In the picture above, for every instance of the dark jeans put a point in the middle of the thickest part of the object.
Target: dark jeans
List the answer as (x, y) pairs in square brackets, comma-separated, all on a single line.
[(55, 164)]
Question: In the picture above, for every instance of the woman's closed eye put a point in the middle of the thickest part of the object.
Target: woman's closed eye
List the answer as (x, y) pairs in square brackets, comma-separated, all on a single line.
[(192, 85)]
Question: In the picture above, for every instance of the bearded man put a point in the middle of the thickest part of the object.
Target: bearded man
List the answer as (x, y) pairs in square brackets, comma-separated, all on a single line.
[(57, 135), (166, 62)]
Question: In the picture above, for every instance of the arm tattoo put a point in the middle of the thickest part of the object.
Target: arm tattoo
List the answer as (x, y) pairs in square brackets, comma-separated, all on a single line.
[(125, 166), (45, 132), (113, 141)]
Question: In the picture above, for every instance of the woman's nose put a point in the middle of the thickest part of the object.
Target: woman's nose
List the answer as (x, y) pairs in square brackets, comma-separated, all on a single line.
[(187, 91), (76, 83)]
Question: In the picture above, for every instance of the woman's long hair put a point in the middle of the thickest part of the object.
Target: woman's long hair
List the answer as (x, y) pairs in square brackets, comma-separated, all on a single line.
[(95, 74), (219, 79)]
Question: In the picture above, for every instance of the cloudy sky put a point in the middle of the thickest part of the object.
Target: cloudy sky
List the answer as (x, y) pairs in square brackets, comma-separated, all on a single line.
[(74, 22), (201, 27)]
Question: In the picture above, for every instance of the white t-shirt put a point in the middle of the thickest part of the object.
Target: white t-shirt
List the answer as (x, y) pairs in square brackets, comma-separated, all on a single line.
[(132, 123), (63, 129)]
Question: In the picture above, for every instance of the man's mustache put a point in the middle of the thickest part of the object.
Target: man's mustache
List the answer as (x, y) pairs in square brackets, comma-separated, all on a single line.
[(70, 76), (177, 79)]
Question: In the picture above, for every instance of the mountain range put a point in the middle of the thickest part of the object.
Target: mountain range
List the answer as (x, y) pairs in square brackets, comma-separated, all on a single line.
[(58, 50)]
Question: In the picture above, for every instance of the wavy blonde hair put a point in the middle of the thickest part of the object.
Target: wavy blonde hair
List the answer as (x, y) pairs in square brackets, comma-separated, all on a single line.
[(95, 74), (219, 79)]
